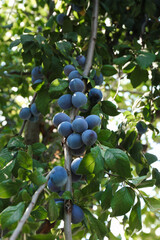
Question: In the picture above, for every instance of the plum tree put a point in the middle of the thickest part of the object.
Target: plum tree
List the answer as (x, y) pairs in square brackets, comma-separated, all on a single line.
[(25, 113), (74, 74), (95, 95), (68, 69), (98, 79), (65, 129), (81, 60), (93, 121), (89, 137), (59, 176), (76, 85), (77, 214), (79, 99), (75, 165), (60, 18), (79, 125), (74, 141), (59, 118), (65, 101)]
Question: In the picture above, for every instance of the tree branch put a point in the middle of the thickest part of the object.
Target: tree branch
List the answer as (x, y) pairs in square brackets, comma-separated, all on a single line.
[(74, 112), (28, 210)]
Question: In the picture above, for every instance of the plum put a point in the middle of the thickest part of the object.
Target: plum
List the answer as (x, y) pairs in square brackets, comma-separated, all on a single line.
[(59, 118), (75, 165), (74, 141), (79, 99), (33, 118), (93, 121), (36, 81), (76, 85), (95, 95), (89, 137), (78, 152), (59, 176), (36, 73), (34, 110), (77, 214), (74, 74), (141, 127), (25, 113), (81, 60), (52, 186), (65, 101), (98, 79), (68, 69), (60, 18), (65, 129), (79, 125)]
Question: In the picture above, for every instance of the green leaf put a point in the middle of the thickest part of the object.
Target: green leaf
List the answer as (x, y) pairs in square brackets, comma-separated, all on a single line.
[(67, 195), (138, 76), (108, 70), (145, 59), (106, 197), (87, 164), (129, 68), (58, 85), (39, 213), (37, 178), (6, 171), (40, 39), (156, 176), (122, 60), (103, 136), (15, 43), (53, 212), (38, 148), (99, 161), (24, 160), (137, 181), (42, 237), (122, 201), (9, 188), (152, 203), (11, 214), (135, 222), (15, 143), (42, 101), (67, 25), (92, 187), (64, 47), (117, 161), (109, 108), (151, 158), (27, 38)]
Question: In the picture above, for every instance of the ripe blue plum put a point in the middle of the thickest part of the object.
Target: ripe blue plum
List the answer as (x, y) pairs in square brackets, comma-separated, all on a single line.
[(79, 99), (59, 118), (89, 137), (98, 79), (36, 73), (81, 60), (93, 121), (36, 81), (76, 85), (74, 74), (95, 95), (141, 127), (59, 176), (34, 110), (74, 141), (65, 101), (25, 113), (52, 186), (79, 151), (77, 214), (60, 18), (79, 125), (75, 165), (68, 69), (65, 129), (33, 118)]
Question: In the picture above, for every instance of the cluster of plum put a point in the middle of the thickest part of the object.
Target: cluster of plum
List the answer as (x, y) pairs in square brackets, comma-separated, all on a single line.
[(31, 114), (78, 134)]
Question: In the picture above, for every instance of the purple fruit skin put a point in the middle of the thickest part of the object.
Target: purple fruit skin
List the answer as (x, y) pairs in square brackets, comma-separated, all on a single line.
[(89, 137), (52, 186), (93, 121), (25, 113), (79, 151), (65, 129), (81, 60), (59, 118), (59, 176), (65, 101), (79, 125), (95, 95), (76, 85), (34, 110), (74, 141), (75, 165), (36, 73), (74, 74), (77, 214), (79, 99), (98, 79), (68, 69), (60, 18)]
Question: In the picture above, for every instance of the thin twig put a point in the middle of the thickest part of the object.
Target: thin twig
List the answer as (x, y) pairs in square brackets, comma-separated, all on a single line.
[(74, 112), (28, 210)]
